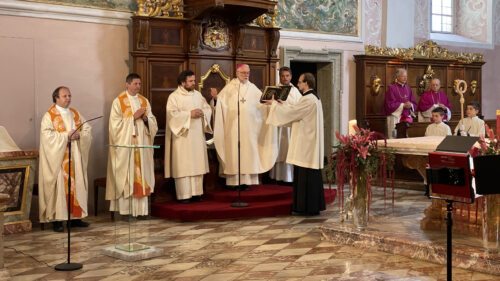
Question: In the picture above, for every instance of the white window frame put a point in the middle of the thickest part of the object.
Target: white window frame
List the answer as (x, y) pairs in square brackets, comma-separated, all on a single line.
[(452, 16)]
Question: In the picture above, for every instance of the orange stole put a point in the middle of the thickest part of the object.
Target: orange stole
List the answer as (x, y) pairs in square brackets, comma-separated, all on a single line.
[(58, 123), (140, 190)]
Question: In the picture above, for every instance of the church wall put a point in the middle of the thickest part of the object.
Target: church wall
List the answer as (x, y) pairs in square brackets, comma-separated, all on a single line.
[(42, 54)]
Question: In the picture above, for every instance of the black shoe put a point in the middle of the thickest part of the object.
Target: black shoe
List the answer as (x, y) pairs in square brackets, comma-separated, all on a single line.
[(242, 187), (196, 198), (79, 223), (57, 226), (184, 201)]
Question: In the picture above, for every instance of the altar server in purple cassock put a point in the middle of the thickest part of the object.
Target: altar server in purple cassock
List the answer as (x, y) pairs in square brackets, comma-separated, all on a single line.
[(399, 102)]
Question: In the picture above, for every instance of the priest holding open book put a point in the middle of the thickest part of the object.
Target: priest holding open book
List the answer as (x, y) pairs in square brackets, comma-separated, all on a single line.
[(240, 117)]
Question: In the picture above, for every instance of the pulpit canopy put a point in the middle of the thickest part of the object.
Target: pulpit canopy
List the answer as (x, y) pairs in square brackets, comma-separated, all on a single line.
[(234, 11)]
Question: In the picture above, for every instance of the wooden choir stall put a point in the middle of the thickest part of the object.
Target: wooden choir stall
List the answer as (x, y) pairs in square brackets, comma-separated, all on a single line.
[(375, 70)]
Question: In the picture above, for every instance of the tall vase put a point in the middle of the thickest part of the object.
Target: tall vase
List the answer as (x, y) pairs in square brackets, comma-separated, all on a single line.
[(360, 202)]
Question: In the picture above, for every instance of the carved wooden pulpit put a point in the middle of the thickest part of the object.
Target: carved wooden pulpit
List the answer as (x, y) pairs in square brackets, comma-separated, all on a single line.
[(209, 37)]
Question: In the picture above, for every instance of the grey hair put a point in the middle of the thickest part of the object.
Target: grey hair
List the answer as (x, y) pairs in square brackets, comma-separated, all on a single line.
[(400, 71)]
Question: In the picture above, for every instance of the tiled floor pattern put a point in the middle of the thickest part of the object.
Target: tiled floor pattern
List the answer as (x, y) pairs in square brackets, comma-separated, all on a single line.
[(281, 248)]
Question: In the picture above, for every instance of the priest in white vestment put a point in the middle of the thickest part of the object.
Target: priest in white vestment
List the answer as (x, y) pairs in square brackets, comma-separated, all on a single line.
[(59, 126), (306, 150), (471, 125), (258, 141), (130, 174), (283, 171), (188, 119)]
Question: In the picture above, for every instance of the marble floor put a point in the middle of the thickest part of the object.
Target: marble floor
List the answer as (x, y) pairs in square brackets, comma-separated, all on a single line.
[(278, 248)]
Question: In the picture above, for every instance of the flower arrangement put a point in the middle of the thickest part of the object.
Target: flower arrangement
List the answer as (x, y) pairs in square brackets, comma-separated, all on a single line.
[(358, 159), (487, 147)]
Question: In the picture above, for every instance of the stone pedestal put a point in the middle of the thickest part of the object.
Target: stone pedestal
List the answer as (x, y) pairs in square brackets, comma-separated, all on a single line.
[(4, 273), (150, 252)]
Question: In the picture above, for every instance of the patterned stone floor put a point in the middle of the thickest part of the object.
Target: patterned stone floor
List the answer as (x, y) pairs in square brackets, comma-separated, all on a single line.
[(281, 248)]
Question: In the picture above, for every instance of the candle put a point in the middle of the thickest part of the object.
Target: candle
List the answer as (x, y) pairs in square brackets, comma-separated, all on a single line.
[(352, 123)]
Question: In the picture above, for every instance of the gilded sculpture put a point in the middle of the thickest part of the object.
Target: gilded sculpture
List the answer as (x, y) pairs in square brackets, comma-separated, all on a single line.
[(268, 20), (160, 8), (425, 81), (427, 49), (215, 68), (376, 84), (460, 87), (473, 87)]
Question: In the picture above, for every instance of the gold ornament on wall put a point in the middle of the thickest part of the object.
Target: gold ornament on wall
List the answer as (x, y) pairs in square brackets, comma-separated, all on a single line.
[(473, 87), (376, 83), (160, 8), (427, 50), (215, 35), (425, 81), (268, 20), (215, 68)]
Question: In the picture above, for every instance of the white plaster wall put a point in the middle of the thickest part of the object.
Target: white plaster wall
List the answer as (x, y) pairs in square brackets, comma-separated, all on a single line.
[(38, 55)]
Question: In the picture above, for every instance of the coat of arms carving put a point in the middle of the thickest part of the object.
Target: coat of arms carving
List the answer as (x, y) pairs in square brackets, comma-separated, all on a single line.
[(215, 35)]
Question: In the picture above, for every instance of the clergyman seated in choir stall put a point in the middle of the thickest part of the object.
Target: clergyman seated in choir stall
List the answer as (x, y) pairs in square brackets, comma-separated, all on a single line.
[(471, 125), (59, 126), (258, 141), (399, 103), (188, 119), (130, 173), (432, 99), (306, 150), (438, 127), (283, 171)]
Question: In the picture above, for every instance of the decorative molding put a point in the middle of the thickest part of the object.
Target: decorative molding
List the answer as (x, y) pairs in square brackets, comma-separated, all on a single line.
[(373, 22), (160, 8), (215, 68), (61, 12), (334, 57), (268, 19), (427, 49)]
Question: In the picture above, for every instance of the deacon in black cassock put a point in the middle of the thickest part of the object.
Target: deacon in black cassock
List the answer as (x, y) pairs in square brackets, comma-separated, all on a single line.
[(306, 149)]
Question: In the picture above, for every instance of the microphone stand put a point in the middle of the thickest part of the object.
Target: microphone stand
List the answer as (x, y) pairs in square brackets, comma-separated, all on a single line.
[(238, 203), (68, 266)]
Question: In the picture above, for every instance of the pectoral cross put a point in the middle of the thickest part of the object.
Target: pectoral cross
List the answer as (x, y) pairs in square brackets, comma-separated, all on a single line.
[(243, 100)]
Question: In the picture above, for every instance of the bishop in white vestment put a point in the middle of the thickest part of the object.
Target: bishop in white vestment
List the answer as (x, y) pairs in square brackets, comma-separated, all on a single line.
[(130, 174), (306, 150), (257, 139), (188, 119), (57, 129), (283, 171)]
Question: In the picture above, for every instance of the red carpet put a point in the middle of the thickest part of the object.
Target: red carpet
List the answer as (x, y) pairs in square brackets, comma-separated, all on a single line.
[(264, 201)]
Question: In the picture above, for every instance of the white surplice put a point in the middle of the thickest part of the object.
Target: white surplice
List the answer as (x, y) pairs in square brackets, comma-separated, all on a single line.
[(257, 139), (186, 157), (283, 171), (440, 129), (473, 126), (307, 141)]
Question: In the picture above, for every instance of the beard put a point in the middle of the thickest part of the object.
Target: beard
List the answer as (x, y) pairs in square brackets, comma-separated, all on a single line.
[(189, 89)]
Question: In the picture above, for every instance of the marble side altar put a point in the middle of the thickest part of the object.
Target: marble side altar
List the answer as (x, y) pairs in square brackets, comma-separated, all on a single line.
[(17, 176), (480, 219)]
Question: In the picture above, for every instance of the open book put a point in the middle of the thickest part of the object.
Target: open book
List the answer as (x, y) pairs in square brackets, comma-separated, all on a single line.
[(278, 92)]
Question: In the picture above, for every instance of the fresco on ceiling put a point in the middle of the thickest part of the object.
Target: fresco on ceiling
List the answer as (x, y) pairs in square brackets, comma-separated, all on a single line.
[(117, 5), (324, 16)]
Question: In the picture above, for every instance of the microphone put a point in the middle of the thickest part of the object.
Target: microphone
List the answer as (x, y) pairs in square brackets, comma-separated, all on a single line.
[(79, 127)]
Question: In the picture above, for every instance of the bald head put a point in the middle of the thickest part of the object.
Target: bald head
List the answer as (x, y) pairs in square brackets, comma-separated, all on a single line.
[(435, 85)]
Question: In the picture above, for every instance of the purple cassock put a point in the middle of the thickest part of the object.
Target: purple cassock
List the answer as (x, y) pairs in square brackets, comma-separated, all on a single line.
[(396, 95), (430, 98)]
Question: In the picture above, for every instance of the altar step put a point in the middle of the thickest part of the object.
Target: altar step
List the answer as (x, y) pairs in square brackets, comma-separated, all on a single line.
[(263, 200)]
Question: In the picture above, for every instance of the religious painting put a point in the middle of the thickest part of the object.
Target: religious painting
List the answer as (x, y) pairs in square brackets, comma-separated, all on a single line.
[(117, 5), (13, 182), (341, 17), (165, 36), (253, 42)]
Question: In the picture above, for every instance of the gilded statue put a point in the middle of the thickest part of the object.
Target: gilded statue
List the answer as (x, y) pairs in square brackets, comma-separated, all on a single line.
[(376, 84), (425, 81), (473, 87), (160, 8)]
